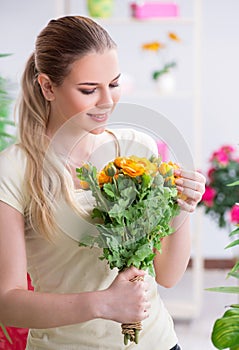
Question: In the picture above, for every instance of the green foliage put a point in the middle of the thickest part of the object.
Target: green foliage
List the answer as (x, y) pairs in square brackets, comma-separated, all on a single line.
[(6, 138), (5, 333), (220, 196), (135, 214), (166, 68), (225, 333)]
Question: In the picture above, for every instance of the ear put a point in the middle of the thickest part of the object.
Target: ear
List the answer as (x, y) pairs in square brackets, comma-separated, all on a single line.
[(46, 86)]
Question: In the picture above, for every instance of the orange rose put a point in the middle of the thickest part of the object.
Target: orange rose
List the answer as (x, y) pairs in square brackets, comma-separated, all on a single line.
[(129, 166), (103, 178)]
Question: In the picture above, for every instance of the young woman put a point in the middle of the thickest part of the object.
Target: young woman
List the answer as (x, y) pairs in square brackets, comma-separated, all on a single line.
[(70, 86)]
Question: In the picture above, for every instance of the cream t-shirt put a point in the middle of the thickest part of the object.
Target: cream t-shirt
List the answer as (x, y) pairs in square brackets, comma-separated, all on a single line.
[(64, 267)]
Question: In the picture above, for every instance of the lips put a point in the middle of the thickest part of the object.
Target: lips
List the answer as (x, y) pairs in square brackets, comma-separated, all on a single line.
[(98, 117)]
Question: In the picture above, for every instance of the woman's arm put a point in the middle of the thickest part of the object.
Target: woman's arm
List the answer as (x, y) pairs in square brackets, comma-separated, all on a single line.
[(171, 264), (22, 308)]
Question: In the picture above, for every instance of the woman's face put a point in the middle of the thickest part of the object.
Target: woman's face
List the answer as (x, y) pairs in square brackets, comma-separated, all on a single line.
[(89, 92)]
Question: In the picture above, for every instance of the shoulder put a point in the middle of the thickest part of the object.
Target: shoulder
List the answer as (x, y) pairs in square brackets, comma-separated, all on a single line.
[(13, 156), (12, 177)]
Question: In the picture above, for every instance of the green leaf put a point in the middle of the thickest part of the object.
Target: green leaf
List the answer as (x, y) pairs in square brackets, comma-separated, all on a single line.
[(108, 188), (144, 251), (232, 244), (5, 332), (225, 332), (235, 267), (233, 290), (234, 274), (235, 183), (234, 232), (5, 54)]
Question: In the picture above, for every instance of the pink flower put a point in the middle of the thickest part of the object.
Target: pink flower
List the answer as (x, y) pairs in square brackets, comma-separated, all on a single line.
[(234, 214), (209, 196), (223, 155), (228, 149), (210, 173), (220, 157)]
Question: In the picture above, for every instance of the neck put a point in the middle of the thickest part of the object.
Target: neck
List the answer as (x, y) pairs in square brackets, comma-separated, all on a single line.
[(72, 143)]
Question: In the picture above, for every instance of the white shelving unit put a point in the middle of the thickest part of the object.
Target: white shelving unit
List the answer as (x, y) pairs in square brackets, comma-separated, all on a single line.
[(178, 308)]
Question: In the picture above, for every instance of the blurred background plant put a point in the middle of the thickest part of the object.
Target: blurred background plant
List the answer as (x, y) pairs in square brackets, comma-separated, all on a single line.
[(162, 49), (6, 136), (220, 197), (225, 332)]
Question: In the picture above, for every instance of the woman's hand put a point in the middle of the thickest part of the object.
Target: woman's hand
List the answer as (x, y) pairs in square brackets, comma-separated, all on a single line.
[(191, 186), (127, 301)]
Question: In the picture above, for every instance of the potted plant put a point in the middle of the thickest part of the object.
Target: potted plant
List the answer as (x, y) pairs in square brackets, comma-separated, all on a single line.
[(163, 74), (5, 137), (219, 198), (225, 333), (5, 103)]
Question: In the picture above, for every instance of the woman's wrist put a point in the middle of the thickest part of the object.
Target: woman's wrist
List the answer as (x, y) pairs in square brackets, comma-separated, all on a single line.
[(96, 304)]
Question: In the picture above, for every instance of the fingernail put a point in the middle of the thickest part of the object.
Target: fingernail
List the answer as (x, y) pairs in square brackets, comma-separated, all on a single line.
[(179, 181)]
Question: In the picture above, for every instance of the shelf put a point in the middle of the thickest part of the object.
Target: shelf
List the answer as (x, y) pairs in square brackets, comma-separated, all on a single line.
[(132, 20)]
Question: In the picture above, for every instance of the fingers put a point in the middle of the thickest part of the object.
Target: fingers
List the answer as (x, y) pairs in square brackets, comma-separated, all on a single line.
[(131, 273), (191, 184), (132, 296)]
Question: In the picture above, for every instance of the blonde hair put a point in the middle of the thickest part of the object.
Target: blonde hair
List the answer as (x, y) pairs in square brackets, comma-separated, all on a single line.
[(58, 45)]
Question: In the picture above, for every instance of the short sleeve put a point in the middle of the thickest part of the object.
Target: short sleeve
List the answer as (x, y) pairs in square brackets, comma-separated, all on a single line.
[(12, 170)]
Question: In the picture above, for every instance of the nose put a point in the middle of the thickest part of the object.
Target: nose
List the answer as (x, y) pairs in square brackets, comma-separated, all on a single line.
[(105, 99)]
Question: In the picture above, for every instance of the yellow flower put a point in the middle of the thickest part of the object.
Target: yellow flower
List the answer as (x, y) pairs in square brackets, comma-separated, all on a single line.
[(84, 185), (153, 46), (168, 169), (174, 37), (103, 178), (149, 167), (129, 166)]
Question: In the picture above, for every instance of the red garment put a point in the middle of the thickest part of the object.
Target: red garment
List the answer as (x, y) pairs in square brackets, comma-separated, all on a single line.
[(17, 335)]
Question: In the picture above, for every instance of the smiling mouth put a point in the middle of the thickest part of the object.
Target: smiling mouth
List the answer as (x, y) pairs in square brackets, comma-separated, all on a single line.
[(98, 117)]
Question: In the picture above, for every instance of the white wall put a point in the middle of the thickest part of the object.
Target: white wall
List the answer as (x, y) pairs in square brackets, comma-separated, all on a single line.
[(21, 21)]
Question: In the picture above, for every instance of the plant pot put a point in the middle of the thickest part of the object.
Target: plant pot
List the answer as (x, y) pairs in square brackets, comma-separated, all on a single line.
[(100, 8), (166, 83)]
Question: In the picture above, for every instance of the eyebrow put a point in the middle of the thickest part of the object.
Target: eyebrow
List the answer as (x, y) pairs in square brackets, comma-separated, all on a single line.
[(93, 84)]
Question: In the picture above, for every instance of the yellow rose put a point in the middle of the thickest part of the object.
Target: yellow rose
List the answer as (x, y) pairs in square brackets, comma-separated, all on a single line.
[(150, 167)]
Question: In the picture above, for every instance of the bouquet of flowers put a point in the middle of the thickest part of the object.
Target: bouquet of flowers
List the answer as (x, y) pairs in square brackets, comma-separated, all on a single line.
[(135, 201), (219, 198)]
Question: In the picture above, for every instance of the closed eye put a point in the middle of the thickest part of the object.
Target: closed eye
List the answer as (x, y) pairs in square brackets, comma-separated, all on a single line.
[(87, 92), (114, 85)]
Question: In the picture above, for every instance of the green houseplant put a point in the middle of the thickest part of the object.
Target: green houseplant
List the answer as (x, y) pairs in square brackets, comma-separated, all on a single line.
[(225, 333), (6, 137), (219, 199)]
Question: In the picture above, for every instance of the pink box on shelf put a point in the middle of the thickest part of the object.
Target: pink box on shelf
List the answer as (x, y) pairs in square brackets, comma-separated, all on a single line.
[(154, 9)]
